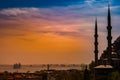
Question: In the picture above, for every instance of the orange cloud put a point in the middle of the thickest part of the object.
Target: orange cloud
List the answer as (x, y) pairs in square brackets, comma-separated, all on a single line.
[(29, 39)]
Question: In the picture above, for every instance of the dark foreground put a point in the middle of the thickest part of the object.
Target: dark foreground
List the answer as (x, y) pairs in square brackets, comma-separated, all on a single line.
[(44, 75), (72, 74)]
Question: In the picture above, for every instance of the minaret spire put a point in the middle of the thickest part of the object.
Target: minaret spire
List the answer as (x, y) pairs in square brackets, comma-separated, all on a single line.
[(109, 36), (109, 15), (96, 43)]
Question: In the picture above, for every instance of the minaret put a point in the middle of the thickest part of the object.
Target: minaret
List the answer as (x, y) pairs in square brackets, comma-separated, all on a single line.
[(109, 37), (96, 43)]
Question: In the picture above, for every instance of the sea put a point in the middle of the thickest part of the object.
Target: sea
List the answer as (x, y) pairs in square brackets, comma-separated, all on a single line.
[(34, 68)]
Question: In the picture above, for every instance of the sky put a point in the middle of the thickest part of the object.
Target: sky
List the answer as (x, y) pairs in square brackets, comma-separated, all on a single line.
[(54, 31)]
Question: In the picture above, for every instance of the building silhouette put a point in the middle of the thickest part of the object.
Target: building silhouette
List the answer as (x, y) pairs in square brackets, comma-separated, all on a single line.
[(111, 55), (110, 59)]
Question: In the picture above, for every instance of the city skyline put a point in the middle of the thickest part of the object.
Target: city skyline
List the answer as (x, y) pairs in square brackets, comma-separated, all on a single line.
[(54, 32)]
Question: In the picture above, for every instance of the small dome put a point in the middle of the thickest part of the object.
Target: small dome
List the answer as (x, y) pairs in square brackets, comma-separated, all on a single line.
[(118, 39)]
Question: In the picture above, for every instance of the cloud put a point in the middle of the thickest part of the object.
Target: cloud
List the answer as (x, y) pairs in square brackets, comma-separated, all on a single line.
[(62, 33), (30, 23), (14, 12), (80, 15), (3, 35), (27, 39), (11, 12), (89, 2), (74, 11)]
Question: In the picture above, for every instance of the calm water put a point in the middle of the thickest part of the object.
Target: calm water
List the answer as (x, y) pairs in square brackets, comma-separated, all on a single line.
[(33, 68)]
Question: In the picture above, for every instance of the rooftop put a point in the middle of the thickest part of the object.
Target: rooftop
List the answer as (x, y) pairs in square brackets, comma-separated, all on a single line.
[(103, 66)]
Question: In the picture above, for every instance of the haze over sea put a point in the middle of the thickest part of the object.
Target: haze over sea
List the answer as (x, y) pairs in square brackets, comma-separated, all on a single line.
[(34, 68)]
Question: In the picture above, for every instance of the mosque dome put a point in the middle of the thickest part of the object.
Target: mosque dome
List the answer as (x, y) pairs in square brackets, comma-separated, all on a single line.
[(116, 44), (118, 39)]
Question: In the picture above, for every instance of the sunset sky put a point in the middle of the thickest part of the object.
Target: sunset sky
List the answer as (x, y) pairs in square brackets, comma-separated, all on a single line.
[(54, 31)]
